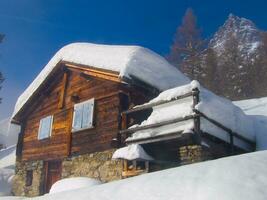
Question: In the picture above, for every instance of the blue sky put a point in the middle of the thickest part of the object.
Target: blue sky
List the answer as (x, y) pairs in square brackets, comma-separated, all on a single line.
[(36, 29)]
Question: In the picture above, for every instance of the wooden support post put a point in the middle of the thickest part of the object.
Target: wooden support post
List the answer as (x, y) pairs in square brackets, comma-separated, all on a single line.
[(124, 126), (63, 91), (231, 142), (197, 130)]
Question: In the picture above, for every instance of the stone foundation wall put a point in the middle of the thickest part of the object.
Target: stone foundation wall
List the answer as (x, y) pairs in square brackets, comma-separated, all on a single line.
[(95, 165), (19, 181), (193, 154)]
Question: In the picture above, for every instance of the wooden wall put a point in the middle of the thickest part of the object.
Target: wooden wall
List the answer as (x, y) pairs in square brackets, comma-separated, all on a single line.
[(108, 105)]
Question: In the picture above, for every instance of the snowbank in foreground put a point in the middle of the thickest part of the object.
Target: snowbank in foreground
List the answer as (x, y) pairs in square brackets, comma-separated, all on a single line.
[(73, 183), (238, 177)]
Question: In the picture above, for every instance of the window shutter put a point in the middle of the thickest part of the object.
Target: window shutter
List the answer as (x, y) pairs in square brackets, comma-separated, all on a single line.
[(88, 109)]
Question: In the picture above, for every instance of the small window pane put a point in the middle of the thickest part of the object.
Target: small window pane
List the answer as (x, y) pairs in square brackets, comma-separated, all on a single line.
[(45, 127), (83, 115), (77, 118)]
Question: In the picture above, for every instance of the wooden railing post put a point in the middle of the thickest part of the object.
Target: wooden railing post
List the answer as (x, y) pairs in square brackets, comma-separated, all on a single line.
[(196, 100), (231, 142), (124, 126)]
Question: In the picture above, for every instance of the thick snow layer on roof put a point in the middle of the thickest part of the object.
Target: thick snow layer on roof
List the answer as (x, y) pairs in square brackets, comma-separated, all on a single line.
[(237, 177), (131, 152), (8, 132), (73, 183), (213, 106), (126, 60)]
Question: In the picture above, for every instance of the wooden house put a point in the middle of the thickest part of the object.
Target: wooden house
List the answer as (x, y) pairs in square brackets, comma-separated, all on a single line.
[(70, 115), (81, 109)]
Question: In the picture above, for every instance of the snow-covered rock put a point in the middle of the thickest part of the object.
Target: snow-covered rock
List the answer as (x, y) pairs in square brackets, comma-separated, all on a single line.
[(237, 177), (127, 61), (73, 184)]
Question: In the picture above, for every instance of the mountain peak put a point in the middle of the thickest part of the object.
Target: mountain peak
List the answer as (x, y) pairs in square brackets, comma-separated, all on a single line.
[(243, 30)]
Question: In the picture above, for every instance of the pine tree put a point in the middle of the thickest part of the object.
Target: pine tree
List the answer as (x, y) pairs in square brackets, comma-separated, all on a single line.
[(210, 77), (1, 75), (187, 46)]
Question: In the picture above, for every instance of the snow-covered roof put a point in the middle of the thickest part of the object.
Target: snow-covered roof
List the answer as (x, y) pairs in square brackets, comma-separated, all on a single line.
[(127, 61), (131, 152), (237, 177), (213, 106)]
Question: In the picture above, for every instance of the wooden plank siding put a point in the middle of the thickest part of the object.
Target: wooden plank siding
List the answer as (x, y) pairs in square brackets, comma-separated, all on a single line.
[(56, 98)]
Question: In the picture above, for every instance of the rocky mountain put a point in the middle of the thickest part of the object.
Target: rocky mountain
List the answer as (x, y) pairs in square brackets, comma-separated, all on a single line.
[(245, 33), (234, 64)]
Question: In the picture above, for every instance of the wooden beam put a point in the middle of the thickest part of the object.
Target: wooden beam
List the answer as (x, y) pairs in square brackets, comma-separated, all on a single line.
[(170, 136), (180, 119), (63, 91), (150, 105)]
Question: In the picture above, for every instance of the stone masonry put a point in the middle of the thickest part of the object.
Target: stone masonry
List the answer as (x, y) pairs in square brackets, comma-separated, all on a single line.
[(97, 165)]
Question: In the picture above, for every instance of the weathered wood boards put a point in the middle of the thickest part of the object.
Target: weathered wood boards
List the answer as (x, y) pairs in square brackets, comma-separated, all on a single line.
[(70, 85)]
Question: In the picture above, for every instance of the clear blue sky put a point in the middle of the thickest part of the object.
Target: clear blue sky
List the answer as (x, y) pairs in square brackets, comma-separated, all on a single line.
[(36, 29)]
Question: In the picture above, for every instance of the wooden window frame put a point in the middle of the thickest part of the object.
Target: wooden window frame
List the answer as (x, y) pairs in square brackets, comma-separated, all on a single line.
[(92, 101), (51, 127), (134, 171)]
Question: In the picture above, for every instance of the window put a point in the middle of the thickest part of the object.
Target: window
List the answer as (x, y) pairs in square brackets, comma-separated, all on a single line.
[(29, 176), (134, 167), (45, 127), (83, 115)]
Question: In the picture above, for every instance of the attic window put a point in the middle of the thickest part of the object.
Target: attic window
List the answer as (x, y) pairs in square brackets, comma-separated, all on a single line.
[(45, 127), (83, 115)]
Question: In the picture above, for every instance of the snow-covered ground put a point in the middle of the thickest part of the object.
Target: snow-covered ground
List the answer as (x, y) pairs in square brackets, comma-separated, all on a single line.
[(238, 177), (8, 133), (257, 106), (7, 169)]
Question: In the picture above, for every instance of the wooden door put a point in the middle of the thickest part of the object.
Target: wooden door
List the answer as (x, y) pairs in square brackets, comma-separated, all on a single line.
[(52, 173)]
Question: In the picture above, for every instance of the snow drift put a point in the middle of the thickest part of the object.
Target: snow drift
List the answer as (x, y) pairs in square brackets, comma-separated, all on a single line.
[(238, 177), (73, 183)]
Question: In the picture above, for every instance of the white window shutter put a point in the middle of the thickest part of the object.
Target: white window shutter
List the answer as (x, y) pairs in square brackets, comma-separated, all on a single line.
[(77, 117), (88, 109)]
